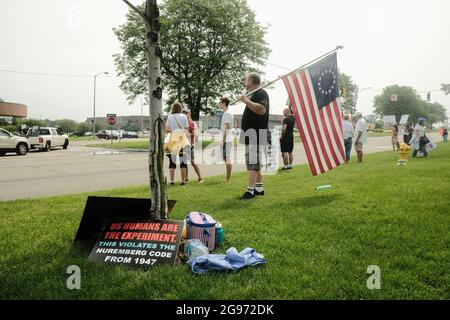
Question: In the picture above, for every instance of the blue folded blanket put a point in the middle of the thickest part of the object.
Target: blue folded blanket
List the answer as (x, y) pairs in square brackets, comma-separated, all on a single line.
[(232, 260)]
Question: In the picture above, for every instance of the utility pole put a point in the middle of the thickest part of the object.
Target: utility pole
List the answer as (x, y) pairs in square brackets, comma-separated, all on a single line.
[(95, 90), (142, 116)]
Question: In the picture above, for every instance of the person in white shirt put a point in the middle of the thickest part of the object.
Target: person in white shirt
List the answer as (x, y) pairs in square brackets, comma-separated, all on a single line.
[(347, 128), (418, 140), (360, 135), (226, 126), (178, 122)]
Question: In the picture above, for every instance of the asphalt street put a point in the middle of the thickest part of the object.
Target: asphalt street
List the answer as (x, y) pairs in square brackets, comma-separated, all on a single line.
[(85, 169)]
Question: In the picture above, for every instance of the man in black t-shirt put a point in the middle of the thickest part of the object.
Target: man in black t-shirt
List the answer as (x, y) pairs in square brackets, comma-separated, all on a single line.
[(287, 139), (254, 135)]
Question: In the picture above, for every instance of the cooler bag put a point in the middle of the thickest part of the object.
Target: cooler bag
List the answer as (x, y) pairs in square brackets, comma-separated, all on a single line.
[(202, 226)]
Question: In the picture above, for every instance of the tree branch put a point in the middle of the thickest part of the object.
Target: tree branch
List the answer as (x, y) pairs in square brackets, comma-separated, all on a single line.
[(139, 12)]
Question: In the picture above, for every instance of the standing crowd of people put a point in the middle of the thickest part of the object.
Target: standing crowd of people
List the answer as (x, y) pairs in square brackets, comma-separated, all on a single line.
[(356, 132), (414, 136), (255, 136), (183, 131)]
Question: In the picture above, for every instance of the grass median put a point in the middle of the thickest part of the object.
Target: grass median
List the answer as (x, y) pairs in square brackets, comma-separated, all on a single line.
[(318, 244), (137, 145)]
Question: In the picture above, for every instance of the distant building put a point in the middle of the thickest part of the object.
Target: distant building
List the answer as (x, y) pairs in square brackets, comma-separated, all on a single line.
[(9, 110)]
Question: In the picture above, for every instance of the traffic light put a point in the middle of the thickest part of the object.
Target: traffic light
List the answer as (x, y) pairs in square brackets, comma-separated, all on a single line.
[(343, 92), (429, 97)]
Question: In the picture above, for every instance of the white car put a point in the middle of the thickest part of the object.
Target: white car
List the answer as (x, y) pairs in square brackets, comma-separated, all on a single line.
[(12, 143), (47, 138)]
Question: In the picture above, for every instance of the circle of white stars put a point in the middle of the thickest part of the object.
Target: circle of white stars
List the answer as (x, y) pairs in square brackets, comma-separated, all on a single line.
[(331, 73)]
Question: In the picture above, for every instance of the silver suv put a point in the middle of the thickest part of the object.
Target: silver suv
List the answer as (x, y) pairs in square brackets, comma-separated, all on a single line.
[(12, 143)]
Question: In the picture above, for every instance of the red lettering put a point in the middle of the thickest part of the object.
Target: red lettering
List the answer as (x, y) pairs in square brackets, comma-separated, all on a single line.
[(112, 235), (116, 226)]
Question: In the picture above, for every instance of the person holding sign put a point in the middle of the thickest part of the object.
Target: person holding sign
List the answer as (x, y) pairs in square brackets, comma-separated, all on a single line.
[(407, 135), (420, 140)]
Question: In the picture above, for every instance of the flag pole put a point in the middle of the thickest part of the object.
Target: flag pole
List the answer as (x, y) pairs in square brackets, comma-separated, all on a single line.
[(279, 78)]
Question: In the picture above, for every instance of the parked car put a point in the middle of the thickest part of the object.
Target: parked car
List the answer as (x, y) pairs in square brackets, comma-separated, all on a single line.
[(214, 131), (129, 135), (12, 143), (236, 132), (47, 138), (108, 135)]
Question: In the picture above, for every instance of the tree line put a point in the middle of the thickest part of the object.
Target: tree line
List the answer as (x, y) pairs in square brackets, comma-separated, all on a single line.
[(402, 100), (207, 47), (66, 125)]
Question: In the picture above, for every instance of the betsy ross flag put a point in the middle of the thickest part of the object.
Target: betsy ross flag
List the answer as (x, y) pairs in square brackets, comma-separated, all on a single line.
[(313, 93)]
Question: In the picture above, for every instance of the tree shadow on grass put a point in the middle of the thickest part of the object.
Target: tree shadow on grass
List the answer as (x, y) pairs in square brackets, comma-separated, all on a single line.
[(233, 202), (307, 202), (243, 205)]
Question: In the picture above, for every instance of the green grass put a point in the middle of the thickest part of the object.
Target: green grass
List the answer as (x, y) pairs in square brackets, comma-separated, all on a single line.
[(141, 145), (73, 138), (318, 244), (122, 145), (379, 134)]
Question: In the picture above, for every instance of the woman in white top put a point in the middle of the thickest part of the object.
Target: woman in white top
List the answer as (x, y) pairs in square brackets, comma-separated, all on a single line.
[(177, 122)]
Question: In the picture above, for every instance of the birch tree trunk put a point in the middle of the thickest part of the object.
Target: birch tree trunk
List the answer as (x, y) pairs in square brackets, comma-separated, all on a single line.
[(159, 208)]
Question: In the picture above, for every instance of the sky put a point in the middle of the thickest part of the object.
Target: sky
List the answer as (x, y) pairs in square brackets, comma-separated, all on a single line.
[(385, 42)]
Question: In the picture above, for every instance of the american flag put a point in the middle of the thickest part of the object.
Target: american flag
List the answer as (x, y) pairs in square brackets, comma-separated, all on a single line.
[(314, 96)]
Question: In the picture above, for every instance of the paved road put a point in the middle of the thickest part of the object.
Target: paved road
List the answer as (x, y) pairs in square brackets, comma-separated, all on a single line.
[(85, 169)]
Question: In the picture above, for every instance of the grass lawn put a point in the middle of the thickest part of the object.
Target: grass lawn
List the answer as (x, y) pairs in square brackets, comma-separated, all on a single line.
[(141, 145), (318, 244), (82, 139), (379, 134)]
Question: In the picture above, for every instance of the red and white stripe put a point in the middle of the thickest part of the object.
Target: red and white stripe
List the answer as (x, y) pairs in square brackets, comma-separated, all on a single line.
[(320, 130), (205, 235)]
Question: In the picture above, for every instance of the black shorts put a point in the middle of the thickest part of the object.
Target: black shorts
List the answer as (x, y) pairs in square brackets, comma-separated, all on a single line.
[(184, 154), (287, 144)]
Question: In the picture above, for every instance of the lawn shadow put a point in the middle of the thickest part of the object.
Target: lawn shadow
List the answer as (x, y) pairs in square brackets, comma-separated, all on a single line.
[(232, 202), (315, 201)]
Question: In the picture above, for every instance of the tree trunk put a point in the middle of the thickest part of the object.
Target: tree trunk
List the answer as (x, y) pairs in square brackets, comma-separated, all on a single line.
[(159, 208)]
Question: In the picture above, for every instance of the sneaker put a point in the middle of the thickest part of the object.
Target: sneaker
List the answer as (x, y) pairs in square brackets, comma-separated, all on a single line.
[(290, 168), (247, 196), (257, 193), (201, 181)]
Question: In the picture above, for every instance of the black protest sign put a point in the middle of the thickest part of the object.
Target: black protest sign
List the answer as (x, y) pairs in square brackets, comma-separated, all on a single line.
[(140, 244)]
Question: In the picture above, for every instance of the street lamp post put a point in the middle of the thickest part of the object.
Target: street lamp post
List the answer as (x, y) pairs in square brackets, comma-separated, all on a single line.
[(95, 89), (142, 117), (356, 95)]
